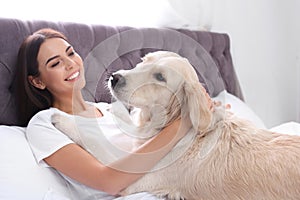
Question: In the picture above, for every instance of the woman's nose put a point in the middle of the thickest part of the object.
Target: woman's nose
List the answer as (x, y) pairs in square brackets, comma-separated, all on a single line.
[(69, 63)]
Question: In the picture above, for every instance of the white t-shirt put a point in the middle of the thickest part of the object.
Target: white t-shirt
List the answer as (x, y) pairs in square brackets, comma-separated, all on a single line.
[(45, 139)]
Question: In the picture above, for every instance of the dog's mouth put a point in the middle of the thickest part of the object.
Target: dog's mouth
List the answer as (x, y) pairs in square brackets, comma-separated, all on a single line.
[(119, 94), (120, 91)]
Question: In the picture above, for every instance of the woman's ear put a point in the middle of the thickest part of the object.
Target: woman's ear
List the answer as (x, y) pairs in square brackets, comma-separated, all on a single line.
[(36, 82)]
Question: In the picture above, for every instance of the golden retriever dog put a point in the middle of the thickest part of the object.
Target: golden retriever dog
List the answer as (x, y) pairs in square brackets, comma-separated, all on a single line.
[(223, 156)]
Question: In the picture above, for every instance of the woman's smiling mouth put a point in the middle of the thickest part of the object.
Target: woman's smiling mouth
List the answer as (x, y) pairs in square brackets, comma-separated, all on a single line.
[(73, 76)]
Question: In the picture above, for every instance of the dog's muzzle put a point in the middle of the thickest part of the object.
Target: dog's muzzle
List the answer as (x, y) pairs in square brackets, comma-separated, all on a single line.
[(117, 80)]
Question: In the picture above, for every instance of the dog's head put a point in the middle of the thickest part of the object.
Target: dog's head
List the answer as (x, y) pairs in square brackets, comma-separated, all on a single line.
[(166, 85)]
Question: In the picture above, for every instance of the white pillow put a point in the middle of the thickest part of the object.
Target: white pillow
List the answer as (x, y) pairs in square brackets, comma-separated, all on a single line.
[(20, 176), (291, 128), (239, 108)]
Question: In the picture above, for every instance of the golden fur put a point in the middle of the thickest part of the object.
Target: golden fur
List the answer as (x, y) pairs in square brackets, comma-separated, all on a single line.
[(224, 157), (229, 157)]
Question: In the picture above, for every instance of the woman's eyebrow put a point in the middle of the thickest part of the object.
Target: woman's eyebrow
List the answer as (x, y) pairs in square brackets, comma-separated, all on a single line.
[(51, 59), (57, 55), (68, 48)]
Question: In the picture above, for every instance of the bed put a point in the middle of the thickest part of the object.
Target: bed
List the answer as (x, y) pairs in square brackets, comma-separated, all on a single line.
[(104, 49)]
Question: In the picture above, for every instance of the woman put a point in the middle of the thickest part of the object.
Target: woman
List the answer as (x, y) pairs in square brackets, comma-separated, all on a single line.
[(50, 78)]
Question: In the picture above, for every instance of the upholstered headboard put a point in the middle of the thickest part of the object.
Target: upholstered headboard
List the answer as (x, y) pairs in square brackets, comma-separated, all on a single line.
[(106, 49)]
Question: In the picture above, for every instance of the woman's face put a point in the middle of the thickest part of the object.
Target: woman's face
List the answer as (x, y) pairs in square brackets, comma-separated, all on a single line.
[(61, 68)]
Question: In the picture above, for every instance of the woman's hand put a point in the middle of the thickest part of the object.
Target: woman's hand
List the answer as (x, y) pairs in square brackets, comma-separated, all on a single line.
[(212, 104), (219, 103)]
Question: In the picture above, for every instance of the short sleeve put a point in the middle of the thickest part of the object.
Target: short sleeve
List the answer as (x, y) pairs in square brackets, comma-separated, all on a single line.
[(43, 138)]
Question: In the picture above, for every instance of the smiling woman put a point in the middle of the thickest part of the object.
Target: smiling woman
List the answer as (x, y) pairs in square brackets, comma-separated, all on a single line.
[(52, 70)]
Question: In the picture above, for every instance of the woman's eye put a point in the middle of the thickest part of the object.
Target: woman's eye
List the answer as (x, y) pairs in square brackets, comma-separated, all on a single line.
[(55, 64), (159, 77), (71, 53)]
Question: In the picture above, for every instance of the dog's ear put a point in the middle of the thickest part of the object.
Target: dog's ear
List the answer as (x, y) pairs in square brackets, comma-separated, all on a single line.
[(197, 106)]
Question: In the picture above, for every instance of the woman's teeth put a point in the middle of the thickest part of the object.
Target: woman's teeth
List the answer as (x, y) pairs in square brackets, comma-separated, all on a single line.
[(75, 75)]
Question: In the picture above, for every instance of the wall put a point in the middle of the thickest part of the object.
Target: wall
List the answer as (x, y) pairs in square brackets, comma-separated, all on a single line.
[(266, 54), (294, 17)]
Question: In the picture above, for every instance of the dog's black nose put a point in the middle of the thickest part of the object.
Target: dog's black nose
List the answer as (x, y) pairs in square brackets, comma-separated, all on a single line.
[(117, 79)]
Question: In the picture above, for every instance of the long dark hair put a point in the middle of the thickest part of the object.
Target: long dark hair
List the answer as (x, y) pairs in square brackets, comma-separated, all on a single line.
[(29, 98)]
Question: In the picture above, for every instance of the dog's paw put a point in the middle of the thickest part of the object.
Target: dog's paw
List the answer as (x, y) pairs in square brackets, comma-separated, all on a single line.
[(67, 126), (172, 196)]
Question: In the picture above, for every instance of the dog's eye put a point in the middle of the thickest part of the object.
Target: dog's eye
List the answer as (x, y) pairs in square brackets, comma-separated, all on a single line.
[(159, 77)]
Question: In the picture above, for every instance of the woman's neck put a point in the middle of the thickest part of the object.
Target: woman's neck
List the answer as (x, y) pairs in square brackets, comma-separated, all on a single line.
[(76, 105), (70, 104)]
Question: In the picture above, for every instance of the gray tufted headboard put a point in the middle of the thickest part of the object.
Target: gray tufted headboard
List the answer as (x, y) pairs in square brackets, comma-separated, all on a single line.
[(106, 49)]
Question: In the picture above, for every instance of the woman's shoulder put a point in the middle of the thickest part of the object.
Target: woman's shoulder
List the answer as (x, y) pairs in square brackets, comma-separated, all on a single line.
[(44, 116), (40, 127)]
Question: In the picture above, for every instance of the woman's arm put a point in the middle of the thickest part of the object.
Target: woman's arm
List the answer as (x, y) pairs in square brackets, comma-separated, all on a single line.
[(78, 164)]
